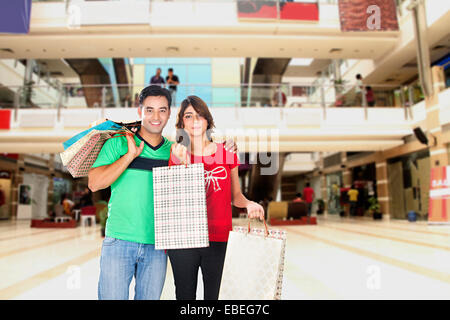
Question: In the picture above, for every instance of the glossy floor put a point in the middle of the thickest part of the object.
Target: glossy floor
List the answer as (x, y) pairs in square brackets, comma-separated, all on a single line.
[(336, 259)]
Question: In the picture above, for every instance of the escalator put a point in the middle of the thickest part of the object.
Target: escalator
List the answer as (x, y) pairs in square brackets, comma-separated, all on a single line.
[(92, 75), (262, 75)]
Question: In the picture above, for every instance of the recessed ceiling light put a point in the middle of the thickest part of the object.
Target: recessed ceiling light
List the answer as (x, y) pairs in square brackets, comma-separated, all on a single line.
[(336, 50), (304, 62), (8, 50)]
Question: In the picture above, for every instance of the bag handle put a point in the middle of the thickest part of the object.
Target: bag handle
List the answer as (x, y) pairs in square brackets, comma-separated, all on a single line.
[(266, 233)]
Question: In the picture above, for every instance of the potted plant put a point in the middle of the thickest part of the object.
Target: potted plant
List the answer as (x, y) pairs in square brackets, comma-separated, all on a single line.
[(320, 205), (374, 208)]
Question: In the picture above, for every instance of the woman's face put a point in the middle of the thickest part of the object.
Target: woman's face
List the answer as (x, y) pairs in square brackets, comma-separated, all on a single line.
[(194, 124)]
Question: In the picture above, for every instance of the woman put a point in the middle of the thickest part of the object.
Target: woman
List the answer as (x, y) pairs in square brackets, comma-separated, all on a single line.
[(222, 189)]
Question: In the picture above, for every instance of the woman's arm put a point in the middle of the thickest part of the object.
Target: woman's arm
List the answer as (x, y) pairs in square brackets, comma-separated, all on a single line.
[(254, 210)]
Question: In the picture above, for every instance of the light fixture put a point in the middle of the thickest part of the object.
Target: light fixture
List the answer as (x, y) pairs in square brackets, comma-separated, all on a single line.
[(304, 62)]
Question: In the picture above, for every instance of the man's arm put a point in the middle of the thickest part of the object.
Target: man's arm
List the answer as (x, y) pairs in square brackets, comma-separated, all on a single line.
[(104, 176)]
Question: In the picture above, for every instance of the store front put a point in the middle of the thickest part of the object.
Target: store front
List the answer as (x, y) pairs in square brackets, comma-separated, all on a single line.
[(364, 180), (5, 194), (33, 196), (409, 185), (61, 186)]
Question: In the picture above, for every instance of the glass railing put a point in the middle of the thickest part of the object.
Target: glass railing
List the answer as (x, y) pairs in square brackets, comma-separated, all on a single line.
[(284, 95)]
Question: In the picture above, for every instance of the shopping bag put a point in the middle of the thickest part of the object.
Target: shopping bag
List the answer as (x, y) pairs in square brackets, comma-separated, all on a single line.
[(180, 207), (81, 151), (254, 264), (68, 154), (106, 125)]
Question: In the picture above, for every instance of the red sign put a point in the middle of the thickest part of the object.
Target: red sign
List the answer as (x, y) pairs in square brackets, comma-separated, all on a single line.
[(5, 119), (368, 15), (257, 9), (299, 11), (439, 203)]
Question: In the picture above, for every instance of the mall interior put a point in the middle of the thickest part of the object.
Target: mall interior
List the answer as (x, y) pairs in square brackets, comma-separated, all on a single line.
[(280, 79)]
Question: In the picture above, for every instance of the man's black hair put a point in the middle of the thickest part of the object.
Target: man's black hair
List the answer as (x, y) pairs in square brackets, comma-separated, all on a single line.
[(155, 91), (358, 76), (170, 69)]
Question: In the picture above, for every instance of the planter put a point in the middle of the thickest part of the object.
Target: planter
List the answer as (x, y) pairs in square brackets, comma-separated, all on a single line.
[(377, 216)]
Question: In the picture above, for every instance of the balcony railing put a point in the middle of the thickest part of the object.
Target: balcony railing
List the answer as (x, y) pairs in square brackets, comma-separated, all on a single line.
[(281, 95)]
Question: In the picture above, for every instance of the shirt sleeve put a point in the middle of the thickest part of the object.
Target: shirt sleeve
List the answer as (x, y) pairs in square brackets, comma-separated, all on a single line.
[(109, 153)]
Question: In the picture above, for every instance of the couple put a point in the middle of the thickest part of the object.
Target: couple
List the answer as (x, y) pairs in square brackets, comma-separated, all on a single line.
[(125, 164)]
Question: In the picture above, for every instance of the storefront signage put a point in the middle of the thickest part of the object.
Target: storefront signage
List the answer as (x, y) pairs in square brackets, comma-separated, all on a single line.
[(282, 10), (439, 204), (15, 16), (368, 15)]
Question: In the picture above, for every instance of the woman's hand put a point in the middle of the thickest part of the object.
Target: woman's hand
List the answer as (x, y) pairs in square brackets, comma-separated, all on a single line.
[(230, 145), (180, 152), (255, 210)]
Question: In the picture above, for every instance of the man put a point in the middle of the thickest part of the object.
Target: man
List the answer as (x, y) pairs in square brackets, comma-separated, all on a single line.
[(157, 79), (298, 198), (125, 164), (359, 91), (353, 199), (172, 80), (308, 196)]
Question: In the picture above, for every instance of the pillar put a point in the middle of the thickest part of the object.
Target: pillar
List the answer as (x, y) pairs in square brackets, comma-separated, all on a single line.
[(438, 150), (383, 188)]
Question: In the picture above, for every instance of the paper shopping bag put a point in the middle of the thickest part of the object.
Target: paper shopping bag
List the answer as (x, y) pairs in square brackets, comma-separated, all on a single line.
[(254, 265), (180, 207)]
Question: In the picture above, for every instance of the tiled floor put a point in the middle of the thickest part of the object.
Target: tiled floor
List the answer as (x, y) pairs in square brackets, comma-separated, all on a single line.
[(337, 259)]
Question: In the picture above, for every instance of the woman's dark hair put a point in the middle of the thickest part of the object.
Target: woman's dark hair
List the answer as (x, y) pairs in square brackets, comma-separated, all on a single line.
[(202, 109), (155, 91)]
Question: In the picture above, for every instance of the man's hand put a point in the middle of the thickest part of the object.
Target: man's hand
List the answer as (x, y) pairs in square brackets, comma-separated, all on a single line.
[(133, 150)]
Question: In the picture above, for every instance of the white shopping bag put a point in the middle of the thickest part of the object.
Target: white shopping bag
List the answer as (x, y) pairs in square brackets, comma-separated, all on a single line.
[(180, 207), (254, 264)]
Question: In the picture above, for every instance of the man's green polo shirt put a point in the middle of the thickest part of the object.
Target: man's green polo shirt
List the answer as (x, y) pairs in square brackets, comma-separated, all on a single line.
[(130, 208)]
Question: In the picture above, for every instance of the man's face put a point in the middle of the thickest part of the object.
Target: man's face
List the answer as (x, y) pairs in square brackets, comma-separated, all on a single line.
[(170, 73), (158, 72), (155, 113)]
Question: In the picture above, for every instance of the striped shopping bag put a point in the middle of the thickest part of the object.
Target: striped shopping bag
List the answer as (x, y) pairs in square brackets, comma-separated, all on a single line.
[(81, 151)]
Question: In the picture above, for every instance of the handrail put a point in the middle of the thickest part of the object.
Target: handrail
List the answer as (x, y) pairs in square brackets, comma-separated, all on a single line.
[(321, 95)]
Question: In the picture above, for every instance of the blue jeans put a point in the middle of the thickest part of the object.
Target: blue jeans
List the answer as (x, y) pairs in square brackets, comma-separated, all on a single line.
[(121, 260), (309, 207)]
